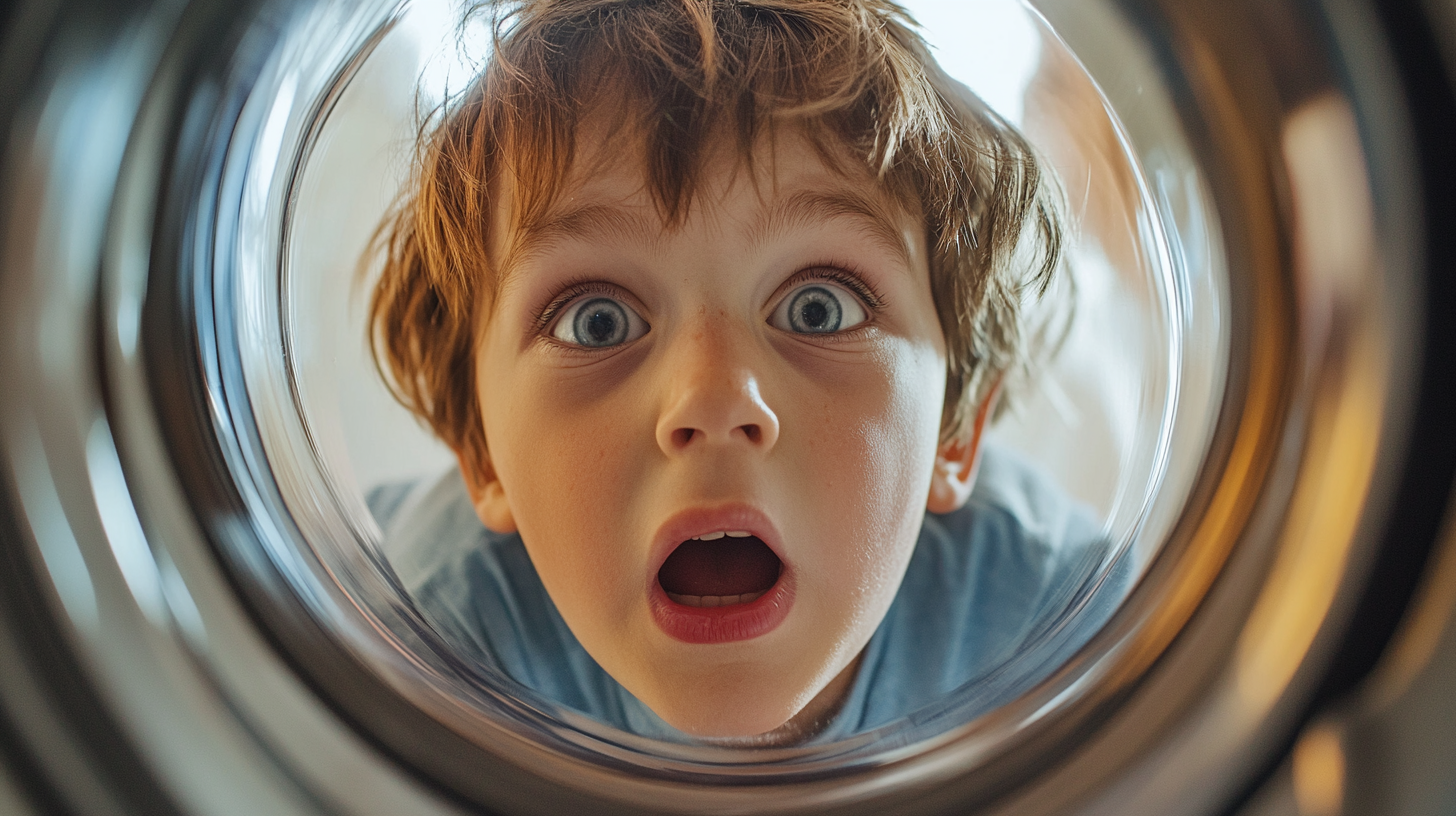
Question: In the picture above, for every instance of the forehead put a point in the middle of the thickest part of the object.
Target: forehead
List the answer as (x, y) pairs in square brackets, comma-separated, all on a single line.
[(785, 184)]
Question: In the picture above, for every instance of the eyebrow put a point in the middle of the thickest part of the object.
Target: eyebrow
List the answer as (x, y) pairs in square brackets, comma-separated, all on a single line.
[(808, 207), (584, 222), (801, 209)]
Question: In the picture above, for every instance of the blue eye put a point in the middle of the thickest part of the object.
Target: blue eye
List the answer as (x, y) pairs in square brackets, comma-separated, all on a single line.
[(598, 322), (818, 308)]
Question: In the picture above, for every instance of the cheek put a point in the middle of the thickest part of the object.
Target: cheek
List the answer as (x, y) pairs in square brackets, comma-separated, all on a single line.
[(567, 468), (871, 445)]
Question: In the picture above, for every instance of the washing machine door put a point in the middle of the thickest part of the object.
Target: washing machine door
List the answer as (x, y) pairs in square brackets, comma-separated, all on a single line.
[(200, 612)]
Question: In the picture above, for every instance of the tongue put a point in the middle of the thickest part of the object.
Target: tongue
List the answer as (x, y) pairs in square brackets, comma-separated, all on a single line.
[(727, 566)]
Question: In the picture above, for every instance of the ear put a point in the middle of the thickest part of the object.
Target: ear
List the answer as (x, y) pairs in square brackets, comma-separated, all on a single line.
[(957, 461), (487, 495)]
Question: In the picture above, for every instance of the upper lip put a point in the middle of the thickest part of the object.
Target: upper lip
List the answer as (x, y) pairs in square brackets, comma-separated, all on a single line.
[(698, 521)]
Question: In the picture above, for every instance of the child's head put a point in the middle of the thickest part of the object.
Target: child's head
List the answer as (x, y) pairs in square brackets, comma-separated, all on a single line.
[(674, 271)]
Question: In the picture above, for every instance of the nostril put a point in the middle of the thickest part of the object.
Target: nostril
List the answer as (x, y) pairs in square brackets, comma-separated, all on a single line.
[(753, 433), (682, 436)]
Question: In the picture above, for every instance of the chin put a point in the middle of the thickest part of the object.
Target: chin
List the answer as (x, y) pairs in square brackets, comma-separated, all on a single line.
[(730, 714), (718, 723)]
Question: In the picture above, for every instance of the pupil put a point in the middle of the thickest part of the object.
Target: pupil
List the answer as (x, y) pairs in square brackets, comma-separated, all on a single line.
[(601, 326), (815, 314)]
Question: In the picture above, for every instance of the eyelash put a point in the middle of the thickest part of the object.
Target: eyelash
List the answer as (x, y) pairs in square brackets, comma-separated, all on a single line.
[(841, 273), (573, 290), (835, 272)]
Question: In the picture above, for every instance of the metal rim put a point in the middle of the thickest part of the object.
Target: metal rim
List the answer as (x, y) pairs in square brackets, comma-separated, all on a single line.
[(1294, 481)]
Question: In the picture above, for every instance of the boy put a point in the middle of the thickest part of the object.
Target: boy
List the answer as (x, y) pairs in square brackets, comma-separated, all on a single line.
[(713, 300)]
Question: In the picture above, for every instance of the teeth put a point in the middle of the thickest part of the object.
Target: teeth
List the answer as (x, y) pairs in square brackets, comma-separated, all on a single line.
[(715, 600), (721, 533)]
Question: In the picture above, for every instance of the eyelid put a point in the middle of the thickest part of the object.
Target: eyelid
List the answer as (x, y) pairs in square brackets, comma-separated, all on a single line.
[(839, 273), (572, 292)]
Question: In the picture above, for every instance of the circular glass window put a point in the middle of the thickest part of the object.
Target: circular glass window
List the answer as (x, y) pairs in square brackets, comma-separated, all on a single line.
[(470, 596), (1030, 408)]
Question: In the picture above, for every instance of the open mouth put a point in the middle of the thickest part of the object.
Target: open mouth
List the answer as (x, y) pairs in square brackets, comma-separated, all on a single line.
[(725, 568)]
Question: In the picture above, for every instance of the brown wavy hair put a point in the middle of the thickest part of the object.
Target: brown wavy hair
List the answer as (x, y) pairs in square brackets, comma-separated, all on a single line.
[(851, 74)]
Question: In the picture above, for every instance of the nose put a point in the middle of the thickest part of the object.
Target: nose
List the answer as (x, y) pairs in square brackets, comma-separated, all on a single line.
[(713, 397)]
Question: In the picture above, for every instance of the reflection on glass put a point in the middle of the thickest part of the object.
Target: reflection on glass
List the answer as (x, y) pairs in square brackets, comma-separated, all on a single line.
[(683, 318)]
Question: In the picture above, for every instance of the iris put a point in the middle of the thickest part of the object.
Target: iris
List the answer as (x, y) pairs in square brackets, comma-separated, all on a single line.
[(815, 310), (599, 323)]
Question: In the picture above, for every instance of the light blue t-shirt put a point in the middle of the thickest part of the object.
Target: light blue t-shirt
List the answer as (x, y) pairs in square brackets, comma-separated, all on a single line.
[(995, 595)]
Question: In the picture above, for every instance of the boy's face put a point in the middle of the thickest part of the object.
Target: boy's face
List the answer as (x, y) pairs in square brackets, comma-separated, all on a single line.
[(773, 367)]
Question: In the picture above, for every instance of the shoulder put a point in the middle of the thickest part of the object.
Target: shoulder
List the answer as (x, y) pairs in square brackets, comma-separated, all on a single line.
[(1035, 510), (455, 569), (984, 584), (467, 581), (425, 524), (481, 593), (1018, 531)]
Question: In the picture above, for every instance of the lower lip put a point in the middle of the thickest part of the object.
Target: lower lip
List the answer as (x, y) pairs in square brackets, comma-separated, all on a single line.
[(722, 624)]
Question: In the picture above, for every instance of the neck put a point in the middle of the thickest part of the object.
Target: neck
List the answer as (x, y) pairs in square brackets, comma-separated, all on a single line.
[(811, 719)]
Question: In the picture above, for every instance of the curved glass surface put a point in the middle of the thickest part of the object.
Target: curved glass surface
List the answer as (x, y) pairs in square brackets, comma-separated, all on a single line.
[(193, 429), (1119, 420)]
